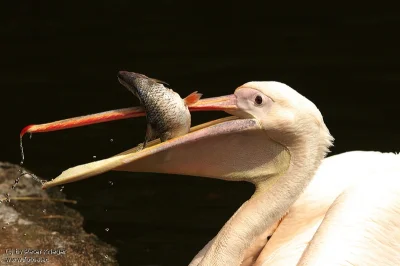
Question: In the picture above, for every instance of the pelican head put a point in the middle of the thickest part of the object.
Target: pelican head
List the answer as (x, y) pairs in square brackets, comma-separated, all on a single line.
[(286, 115), (275, 139)]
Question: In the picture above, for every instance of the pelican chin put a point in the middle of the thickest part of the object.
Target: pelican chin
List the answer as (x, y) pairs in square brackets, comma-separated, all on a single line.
[(276, 139)]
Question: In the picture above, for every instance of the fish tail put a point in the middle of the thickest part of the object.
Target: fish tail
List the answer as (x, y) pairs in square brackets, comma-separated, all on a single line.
[(192, 98)]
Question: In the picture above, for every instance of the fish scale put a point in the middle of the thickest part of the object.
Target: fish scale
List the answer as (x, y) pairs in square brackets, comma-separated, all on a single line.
[(167, 113)]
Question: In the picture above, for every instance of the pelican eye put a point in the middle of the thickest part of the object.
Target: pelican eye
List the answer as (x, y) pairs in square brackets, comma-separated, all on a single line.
[(258, 100)]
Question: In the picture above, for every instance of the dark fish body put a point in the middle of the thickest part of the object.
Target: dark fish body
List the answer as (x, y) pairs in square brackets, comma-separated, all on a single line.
[(167, 113)]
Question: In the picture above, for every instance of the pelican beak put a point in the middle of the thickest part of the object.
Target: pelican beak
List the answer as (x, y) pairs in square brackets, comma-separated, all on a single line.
[(223, 103), (213, 149)]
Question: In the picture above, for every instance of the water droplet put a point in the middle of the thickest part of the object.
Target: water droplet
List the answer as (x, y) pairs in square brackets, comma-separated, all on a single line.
[(106, 210), (62, 187), (33, 176), (7, 223), (105, 256), (44, 211), (30, 135), (7, 195), (16, 181), (111, 183), (25, 234), (3, 227), (94, 156), (107, 229), (22, 151), (111, 140)]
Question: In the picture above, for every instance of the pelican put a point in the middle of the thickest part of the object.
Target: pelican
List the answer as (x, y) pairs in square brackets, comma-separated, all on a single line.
[(306, 209)]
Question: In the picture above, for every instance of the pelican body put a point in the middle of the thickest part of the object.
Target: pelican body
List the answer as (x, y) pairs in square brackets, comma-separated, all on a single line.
[(306, 210)]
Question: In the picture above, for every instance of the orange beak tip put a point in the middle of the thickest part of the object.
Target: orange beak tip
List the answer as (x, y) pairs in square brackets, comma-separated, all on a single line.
[(24, 130)]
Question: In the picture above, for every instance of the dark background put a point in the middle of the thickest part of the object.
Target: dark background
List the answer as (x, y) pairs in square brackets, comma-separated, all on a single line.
[(60, 60)]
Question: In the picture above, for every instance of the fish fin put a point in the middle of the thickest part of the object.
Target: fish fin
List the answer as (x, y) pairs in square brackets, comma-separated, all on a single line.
[(192, 98), (165, 136), (150, 135), (143, 145), (159, 81)]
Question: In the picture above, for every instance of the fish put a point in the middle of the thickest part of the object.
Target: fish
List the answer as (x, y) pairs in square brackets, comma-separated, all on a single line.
[(167, 113)]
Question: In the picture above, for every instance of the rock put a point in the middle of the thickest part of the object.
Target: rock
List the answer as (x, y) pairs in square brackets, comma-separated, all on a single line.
[(37, 228)]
